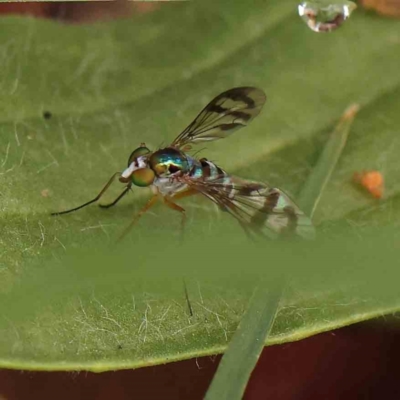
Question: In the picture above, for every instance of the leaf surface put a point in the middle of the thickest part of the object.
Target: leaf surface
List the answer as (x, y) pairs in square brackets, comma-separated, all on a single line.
[(71, 298)]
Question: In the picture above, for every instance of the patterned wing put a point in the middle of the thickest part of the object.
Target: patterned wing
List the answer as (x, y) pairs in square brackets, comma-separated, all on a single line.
[(259, 208), (229, 111)]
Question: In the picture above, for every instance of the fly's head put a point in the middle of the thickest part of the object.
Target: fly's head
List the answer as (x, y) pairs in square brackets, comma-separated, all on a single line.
[(139, 171)]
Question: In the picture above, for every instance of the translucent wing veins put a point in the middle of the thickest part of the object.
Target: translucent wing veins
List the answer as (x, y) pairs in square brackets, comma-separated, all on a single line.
[(223, 115), (259, 208)]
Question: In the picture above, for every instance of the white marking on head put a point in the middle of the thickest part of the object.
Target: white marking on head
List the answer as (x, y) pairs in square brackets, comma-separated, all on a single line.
[(129, 171), (140, 162)]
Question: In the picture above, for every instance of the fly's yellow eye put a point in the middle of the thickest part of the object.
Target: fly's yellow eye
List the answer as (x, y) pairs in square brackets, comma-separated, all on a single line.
[(140, 151), (143, 177)]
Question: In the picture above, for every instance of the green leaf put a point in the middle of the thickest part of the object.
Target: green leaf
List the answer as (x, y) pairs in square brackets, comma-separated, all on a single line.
[(70, 297)]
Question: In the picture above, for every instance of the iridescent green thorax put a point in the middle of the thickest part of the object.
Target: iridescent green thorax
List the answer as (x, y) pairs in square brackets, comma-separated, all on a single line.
[(168, 161)]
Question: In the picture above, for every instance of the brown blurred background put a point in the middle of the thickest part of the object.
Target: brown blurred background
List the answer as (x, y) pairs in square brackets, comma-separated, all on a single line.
[(79, 12), (357, 362)]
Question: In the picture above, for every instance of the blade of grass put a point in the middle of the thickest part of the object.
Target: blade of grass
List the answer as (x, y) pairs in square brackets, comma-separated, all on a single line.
[(248, 341), (246, 345), (312, 190)]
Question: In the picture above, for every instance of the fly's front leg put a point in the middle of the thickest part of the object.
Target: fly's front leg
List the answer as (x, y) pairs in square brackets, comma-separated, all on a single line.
[(105, 188), (113, 203)]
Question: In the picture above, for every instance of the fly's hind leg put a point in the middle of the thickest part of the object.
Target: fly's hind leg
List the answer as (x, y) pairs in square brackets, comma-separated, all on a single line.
[(169, 203), (190, 309)]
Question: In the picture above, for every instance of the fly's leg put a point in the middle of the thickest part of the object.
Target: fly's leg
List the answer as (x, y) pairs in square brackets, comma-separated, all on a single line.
[(187, 298), (169, 203), (125, 191), (146, 207), (91, 201), (186, 193)]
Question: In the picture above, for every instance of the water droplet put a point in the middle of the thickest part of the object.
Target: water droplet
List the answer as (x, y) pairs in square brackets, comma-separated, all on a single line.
[(324, 15)]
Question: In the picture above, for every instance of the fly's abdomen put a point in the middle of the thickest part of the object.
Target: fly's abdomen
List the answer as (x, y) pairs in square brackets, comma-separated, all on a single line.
[(206, 170)]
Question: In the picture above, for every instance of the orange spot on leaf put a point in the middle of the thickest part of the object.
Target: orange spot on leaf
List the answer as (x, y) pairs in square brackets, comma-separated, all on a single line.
[(372, 181)]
